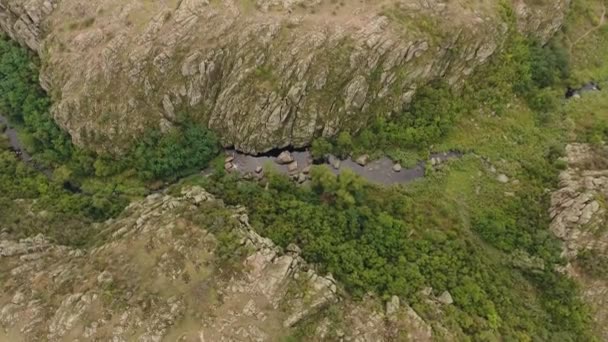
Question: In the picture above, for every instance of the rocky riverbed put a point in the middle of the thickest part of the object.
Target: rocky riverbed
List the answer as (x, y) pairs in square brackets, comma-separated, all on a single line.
[(297, 164)]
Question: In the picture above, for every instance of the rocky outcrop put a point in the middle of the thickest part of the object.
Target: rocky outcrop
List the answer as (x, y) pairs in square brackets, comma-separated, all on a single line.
[(264, 74), (22, 20), (578, 212), (175, 268)]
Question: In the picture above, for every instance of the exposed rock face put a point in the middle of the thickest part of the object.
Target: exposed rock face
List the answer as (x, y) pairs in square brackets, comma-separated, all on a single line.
[(578, 212), (264, 74), (22, 20), (158, 274)]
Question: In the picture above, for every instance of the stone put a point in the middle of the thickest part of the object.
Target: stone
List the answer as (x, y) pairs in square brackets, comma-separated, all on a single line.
[(392, 308), (284, 158), (362, 160), (105, 278), (229, 159), (302, 178), (293, 248), (446, 298), (18, 298), (259, 169), (334, 162), (502, 178), (292, 167), (427, 291), (397, 167), (228, 166), (306, 170)]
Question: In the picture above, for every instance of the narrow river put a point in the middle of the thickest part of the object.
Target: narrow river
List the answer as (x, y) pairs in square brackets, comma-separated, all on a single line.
[(379, 171), (17, 147)]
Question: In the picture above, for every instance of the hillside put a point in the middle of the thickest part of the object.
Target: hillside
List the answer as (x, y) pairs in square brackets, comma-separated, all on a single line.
[(262, 74)]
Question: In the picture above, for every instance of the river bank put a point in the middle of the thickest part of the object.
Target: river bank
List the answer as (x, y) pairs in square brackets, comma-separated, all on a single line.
[(17, 147), (296, 164)]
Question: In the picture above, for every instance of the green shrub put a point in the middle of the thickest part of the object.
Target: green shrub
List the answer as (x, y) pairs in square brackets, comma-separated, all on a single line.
[(320, 148), (389, 241), (593, 263), (26, 103), (176, 153)]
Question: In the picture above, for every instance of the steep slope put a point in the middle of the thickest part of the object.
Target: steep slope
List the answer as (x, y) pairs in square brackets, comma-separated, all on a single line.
[(578, 210), (181, 268), (263, 74)]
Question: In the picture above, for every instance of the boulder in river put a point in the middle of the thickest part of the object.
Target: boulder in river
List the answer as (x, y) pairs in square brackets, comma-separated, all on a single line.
[(228, 166), (334, 162), (292, 167), (363, 160), (259, 169), (229, 159), (397, 167), (284, 158)]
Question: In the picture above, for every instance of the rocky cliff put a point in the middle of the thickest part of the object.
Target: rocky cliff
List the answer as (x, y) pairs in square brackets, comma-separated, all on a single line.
[(263, 73), (182, 268), (578, 212)]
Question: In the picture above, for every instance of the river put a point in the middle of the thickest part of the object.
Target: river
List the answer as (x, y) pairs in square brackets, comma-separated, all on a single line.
[(379, 171), (17, 147)]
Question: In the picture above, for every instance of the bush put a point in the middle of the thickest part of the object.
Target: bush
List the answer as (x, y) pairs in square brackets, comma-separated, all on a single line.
[(383, 240), (320, 148), (548, 64), (26, 103), (176, 153), (593, 263)]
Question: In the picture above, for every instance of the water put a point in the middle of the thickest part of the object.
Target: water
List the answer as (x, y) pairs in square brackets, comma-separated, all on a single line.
[(379, 171), (17, 147)]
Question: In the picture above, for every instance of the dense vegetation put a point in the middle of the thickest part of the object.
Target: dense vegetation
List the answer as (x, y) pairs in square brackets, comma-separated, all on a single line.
[(458, 230), (164, 156), (82, 187), (25, 104), (399, 241)]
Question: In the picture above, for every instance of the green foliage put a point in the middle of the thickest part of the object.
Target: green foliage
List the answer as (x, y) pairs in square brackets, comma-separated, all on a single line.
[(393, 241), (320, 148), (22, 99), (66, 215), (428, 119), (176, 153), (344, 144), (593, 263), (548, 64)]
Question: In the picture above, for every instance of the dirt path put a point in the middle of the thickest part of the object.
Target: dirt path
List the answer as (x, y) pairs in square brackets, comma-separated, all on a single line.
[(593, 29)]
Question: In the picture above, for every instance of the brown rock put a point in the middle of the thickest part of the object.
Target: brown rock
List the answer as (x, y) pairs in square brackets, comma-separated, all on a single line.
[(284, 158), (293, 167), (362, 160)]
